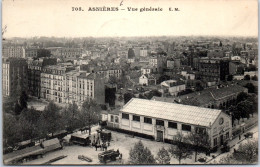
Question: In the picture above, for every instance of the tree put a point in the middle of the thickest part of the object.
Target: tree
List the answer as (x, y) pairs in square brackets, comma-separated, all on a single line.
[(247, 153), (163, 156), (140, 155), (10, 130), (251, 88), (198, 140), (131, 53), (244, 108), (254, 78), (50, 119), (28, 122), (230, 78), (17, 109), (242, 97), (23, 100), (231, 111), (43, 53), (198, 86), (181, 150), (247, 77), (70, 117), (127, 97), (90, 114), (113, 80)]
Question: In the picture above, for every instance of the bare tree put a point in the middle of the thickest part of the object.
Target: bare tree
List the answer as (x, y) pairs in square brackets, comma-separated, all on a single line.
[(181, 150)]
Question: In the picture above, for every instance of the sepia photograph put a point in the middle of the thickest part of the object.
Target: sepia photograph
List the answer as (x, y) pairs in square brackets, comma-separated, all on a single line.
[(128, 82)]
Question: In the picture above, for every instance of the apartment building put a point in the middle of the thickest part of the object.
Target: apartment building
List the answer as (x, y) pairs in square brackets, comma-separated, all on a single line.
[(14, 76)]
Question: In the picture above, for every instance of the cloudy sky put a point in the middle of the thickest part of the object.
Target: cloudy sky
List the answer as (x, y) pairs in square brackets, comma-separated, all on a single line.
[(28, 18)]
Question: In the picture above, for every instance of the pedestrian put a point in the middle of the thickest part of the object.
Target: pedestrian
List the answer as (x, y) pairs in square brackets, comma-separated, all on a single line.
[(239, 137)]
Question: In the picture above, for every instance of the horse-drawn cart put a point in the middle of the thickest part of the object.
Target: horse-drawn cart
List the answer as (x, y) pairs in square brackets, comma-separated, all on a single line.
[(109, 155)]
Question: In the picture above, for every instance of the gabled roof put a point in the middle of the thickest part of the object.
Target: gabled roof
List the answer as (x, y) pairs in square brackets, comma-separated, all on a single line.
[(171, 111)]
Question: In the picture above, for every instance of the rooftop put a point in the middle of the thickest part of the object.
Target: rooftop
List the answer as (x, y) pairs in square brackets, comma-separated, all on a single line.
[(171, 111)]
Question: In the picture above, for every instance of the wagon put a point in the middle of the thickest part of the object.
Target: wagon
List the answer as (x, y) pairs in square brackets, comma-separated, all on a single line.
[(81, 139), (109, 155)]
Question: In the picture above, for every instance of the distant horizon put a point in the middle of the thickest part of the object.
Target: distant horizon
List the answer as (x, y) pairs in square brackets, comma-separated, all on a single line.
[(152, 36)]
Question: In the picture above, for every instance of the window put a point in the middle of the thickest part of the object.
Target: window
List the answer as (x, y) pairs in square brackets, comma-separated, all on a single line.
[(172, 125), (125, 116), (186, 127), (215, 141), (116, 119), (160, 122), (227, 135), (136, 118), (111, 118), (200, 130), (147, 120)]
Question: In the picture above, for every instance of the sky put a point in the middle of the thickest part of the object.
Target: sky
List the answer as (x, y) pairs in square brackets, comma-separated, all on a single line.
[(29, 18)]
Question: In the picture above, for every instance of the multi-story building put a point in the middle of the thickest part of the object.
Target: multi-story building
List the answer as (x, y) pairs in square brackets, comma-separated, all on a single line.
[(14, 76), (213, 69), (66, 53), (159, 62), (31, 52), (143, 53), (52, 82), (90, 86), (13, 51), (34, 74)]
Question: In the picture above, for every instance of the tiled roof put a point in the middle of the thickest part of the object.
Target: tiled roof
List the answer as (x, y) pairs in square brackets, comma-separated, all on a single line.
[(210, 95), (171, 111)]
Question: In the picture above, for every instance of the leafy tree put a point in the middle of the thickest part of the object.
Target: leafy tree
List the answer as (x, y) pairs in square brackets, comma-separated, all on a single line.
[(10, 130), (50, 120), (251, 88), (43, 53), (70, 117), (231, 111), (254, 100), (245, 108), (127, 97), (230, 78), (113, 80), (198, 86), (254, 78), (28, 122), (242, 97), (17, 109), (247, 153), (140, 155), (163, 156), (181, 150), (23, 100), (198, 140), (247, 77), (90, 114), (131, 53)]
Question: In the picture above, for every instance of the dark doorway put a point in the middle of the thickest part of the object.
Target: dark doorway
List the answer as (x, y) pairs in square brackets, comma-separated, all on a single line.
[(221, 140), (159, 135)]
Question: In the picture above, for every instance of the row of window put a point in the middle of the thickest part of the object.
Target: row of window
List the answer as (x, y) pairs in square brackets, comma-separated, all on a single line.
[(158, 122)]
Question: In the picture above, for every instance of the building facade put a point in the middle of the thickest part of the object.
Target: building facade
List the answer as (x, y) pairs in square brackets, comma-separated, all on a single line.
[(13, 51), (14, 76), (213, 69), (34, 74), (163, 120)]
